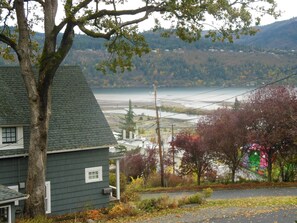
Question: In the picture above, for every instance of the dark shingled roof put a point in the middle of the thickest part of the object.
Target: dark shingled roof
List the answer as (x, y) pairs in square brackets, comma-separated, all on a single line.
[(9, 195), (77, 121)]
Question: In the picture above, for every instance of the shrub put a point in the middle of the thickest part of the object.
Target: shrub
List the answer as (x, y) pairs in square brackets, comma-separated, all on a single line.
[(160, 203), (121, 210), (207, 192), (148, 205), (189, 180), (173, 180), (163, 202), (94, 214), (130, 194), (154, 180), (137, 183), (197, 198)]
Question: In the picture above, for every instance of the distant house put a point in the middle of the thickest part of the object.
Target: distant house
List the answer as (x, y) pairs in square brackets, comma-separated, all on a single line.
[(77, 174)]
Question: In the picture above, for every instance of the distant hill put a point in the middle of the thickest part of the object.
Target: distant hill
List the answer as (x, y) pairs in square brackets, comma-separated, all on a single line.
[(278, 35), (250, 61)]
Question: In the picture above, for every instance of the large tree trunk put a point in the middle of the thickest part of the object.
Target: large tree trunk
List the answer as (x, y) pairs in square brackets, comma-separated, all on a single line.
[(38, 92), (35, 184), (39, 96), (40, 108), (37, 154)]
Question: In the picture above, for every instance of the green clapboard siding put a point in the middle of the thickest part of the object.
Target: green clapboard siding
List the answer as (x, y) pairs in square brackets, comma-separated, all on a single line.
[(66, 172), (69, 192), (13, 171)]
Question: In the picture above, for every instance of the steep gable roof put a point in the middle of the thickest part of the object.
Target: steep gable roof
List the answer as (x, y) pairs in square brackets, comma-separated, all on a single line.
[(13, 102), (77, 121)]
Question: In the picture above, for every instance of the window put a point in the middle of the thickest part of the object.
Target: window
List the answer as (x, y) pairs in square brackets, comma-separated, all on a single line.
[(47, 198), (5, 213), (9, 135), (93, 174), (11, 138)]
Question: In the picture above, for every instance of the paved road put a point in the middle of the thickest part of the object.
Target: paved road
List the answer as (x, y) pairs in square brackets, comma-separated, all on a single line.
[(276, 216), (232, 194), (230, 215), (286, 214)]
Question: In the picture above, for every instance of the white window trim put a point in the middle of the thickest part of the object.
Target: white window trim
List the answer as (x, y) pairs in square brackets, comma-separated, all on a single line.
[(93, 169), (9, 212), (15, 188), (47, 199), (19, 139)]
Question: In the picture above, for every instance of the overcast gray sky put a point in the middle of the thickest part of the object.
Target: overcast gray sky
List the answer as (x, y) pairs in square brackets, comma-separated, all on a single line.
[(287, 7)]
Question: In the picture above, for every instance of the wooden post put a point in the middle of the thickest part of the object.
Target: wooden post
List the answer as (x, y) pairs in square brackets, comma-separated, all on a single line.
[(159, 137), (173, 151)]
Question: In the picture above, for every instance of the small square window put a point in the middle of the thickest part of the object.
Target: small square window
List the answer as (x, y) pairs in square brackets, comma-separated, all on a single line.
[(93, 174), (9, 135)]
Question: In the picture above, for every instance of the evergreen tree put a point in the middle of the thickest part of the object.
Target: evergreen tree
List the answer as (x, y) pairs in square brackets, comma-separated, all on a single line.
[(128, 123), (236, 105)]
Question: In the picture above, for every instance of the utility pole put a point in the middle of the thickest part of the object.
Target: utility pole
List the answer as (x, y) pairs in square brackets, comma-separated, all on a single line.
[(173, 151), (159, 137)]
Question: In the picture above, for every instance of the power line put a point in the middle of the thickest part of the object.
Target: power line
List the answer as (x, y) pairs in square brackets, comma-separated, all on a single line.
[(244, 93), (205, 92), (249, 91), (226, 99), (189, 96)]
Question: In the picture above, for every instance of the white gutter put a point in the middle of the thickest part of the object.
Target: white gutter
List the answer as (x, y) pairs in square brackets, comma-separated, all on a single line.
[(13, 200), (60, 151)]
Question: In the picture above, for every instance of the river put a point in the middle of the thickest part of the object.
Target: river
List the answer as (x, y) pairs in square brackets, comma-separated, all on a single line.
[(116, 100)]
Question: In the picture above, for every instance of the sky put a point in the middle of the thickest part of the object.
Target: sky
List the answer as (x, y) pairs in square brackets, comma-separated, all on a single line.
[(288, 9)]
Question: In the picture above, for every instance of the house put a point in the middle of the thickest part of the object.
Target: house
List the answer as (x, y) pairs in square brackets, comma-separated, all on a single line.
[(77, 174)]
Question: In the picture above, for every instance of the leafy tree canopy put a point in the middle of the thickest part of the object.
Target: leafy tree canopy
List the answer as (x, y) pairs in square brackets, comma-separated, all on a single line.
[(114, 21)]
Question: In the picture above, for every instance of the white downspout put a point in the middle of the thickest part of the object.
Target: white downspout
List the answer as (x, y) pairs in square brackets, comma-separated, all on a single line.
[(118, 179)]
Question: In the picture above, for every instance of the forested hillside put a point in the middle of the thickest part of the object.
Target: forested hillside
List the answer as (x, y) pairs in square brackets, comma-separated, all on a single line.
[(191, 67), (250, 61), (279, 35)]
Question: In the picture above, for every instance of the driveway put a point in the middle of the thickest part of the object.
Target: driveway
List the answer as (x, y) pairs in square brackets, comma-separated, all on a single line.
[(231, 215), (287, 214)]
